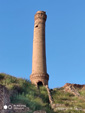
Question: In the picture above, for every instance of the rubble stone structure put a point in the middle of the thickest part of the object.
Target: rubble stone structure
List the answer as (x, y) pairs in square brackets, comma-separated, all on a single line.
[(4, 98), (39, 72)]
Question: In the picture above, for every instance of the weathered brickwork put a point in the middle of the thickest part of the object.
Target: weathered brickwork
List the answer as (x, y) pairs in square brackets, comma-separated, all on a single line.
[(39, 71), (49, 95)]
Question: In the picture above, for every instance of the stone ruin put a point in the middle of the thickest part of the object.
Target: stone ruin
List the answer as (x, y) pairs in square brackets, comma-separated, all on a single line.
[(4, 98), (6, 106)]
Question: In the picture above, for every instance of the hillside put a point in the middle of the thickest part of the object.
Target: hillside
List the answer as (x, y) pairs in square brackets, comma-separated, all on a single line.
[(65, 99)]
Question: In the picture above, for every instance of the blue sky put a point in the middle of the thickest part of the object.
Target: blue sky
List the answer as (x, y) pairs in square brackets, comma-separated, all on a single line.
[(65, 39)]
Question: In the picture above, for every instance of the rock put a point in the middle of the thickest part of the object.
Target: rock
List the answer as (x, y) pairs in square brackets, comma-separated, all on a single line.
[(72, 90), (74, 85)]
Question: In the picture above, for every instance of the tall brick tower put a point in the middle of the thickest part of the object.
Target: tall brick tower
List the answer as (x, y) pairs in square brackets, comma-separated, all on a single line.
[(39, 74)]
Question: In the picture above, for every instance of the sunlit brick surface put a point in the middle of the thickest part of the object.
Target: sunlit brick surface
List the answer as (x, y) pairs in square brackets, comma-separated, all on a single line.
[(39, 71)]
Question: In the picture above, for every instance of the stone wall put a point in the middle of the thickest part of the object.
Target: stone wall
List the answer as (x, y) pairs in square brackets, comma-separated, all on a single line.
[(4, 97), (49, 95)]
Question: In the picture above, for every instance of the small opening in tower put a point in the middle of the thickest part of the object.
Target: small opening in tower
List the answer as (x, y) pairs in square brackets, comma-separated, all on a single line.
[(36, 25), (40, 84)]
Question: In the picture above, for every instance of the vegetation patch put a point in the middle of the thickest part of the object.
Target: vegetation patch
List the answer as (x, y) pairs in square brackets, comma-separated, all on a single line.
[(23, 92)]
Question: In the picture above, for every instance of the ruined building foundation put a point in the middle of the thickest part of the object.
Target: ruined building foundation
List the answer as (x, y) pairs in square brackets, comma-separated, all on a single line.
[(39, 74)]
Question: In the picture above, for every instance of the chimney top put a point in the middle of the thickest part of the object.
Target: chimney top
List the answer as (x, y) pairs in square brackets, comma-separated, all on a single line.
[(41, 12)]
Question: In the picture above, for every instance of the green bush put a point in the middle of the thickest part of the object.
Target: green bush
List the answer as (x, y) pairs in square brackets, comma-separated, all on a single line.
[(1, 77)]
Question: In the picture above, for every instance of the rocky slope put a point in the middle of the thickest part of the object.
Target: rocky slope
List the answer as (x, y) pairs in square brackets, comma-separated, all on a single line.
[(68, 99)]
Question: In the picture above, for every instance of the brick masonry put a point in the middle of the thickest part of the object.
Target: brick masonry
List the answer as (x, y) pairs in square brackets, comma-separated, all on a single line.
[(39, 70)]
